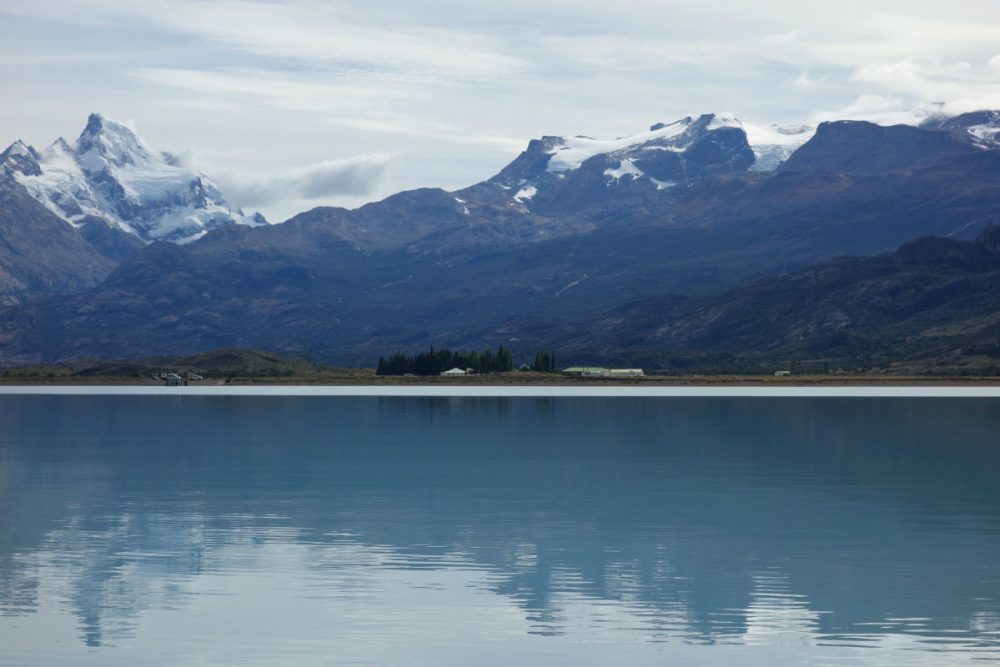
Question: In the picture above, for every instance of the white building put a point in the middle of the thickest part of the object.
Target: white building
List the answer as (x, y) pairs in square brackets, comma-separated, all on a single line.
[(599, 372), (625, 373)]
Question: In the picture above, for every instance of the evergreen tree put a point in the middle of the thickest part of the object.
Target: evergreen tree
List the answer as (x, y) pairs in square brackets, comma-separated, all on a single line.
[(545, 362)]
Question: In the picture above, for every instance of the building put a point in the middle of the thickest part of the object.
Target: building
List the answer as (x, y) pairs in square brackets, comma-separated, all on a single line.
[(586, 371), (599, 372), (454, 372), (625, 373)]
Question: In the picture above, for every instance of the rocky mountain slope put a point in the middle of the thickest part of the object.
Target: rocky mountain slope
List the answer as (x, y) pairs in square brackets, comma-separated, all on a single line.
[(857, 147), (934, 299), (40, 253)]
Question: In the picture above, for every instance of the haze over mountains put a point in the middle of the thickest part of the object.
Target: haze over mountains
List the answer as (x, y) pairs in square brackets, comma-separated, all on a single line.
[(625, 249)]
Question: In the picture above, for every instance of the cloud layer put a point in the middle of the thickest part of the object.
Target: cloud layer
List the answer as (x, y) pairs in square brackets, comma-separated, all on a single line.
[(357, 176)]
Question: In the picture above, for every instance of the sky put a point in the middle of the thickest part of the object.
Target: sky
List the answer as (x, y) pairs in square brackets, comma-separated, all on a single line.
[(291, 105)]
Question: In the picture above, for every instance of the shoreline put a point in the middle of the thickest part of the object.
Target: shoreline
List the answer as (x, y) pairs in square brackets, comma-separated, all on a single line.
[(361, 382), (511, 391), (513, 380)]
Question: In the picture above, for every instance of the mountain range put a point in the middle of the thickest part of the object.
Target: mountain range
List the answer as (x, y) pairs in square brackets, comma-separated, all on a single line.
[(629, 250)]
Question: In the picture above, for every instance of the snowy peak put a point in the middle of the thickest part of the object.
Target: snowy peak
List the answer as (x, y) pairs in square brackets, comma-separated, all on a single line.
[(562, 155), (560, 175), (59, 147), (678, 136), (111, 174), (16, 149), (980, 128), (19, 158), (105, 143), (664, 160)]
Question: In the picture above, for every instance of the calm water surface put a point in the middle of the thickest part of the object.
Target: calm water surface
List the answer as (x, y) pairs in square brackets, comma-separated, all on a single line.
[(179, 530)]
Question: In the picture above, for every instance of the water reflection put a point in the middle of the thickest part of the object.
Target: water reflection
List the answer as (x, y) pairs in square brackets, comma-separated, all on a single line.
[(571, 531)]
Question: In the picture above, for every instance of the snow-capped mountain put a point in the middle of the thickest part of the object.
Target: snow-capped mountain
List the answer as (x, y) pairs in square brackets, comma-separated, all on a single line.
[(981, 128), (112, 175), (556, 175)]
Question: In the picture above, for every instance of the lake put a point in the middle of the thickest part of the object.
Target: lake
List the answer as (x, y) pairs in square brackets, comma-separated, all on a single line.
[(495, 530)]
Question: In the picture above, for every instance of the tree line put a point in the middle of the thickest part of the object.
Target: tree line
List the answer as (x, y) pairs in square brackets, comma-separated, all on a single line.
[(436, 361)]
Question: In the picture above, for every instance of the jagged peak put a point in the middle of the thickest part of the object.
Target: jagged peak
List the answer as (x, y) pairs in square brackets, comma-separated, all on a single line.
[(106, 142), (20, 148), (20, 157), (95, 121), (57, 149)]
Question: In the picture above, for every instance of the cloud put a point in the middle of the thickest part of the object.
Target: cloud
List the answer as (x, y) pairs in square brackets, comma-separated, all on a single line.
[(909, 90), (925, 79), (883, 109), (358, 103), (308, 31), (783, 38), (355, 176), (803, 80), (321, 31), (289, 90)]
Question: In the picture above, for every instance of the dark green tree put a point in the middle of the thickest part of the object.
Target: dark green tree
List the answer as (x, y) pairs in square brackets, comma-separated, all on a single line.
[(545, 362)]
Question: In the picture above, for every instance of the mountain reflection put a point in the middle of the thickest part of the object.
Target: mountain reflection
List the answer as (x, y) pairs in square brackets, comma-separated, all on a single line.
[(710, 521)]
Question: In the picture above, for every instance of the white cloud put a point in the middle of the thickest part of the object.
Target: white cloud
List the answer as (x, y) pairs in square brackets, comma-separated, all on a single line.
[(356, 102), (875, 108), (783, 38), (307, 31), (285, 90), (910, 90), (355, 176), (803, 80)]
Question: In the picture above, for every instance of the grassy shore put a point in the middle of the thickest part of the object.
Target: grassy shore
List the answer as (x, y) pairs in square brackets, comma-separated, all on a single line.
[(368, 377), (243, 367)]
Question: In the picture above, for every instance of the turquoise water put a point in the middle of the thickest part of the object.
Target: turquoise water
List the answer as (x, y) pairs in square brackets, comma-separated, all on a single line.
[(181, 530)]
